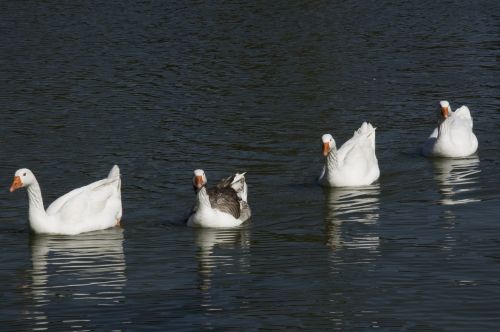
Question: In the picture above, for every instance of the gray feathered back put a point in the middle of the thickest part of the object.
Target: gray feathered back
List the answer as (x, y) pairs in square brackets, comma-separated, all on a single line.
[(225, 200), (237, 183)]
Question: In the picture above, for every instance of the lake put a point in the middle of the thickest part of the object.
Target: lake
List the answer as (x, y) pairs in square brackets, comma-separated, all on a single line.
[(165, 87)]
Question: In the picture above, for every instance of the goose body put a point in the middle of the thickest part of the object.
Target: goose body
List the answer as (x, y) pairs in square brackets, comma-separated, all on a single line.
[(453, 137), (93, 207), (354, 164), (222, 206)]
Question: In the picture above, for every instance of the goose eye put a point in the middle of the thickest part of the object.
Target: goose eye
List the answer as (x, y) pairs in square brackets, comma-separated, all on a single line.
[(24, 174)]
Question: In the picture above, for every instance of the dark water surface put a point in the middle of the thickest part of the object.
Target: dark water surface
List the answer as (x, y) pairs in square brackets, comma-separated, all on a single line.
[(162, 87)]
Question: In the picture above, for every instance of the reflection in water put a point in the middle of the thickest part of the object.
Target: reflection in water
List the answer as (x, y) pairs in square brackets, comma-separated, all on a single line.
[(358, 205), (457, 177), (351, 214), (208, 239), (76, 273), (458, 180), (211, 240)]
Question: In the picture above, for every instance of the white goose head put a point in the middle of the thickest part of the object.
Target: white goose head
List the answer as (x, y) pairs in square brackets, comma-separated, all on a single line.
[(22, 178), (328, 144), (445, 109), (199, 179)]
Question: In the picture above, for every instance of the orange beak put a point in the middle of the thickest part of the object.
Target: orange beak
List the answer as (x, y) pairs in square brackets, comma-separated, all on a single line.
[(198, 181), (444, 112), (326, 149), (16, 184)]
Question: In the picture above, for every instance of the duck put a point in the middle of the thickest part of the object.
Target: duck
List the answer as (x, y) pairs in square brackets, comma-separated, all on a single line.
[(354, 164), (453, 137), (93, 207), (222, 206)]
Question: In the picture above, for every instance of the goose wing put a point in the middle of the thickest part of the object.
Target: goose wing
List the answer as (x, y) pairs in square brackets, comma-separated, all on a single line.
[(237, 183), (225, 200), (360, 146), (85, 201)]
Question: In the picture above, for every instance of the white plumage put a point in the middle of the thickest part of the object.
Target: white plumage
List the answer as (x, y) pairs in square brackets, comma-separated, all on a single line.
[(454, 136), (354, 164), (93, 207)]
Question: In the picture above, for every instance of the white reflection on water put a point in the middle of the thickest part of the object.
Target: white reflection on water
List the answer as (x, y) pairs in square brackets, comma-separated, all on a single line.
[(216, 251), (458, 179), (352, 205), (208, 240), (83, 271), (351, 217)]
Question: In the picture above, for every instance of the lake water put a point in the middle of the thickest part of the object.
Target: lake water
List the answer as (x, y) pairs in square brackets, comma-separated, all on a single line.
[(163, 87)]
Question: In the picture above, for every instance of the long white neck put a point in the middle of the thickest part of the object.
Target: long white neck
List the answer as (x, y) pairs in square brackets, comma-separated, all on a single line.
[(443, 127), (203, 198), (331, 159), (37, 212)]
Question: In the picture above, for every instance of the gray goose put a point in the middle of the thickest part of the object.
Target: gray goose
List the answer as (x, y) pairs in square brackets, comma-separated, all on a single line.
[(224, 205)]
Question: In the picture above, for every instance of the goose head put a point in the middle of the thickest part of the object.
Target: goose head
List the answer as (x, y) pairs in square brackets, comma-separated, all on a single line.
[(328, 144), (22, 178), (445, 109), (199, 179)]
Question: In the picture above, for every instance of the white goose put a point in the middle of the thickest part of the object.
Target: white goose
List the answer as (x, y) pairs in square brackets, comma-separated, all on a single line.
[(354, 164), (224, 205), (93, 207), (453, 137)]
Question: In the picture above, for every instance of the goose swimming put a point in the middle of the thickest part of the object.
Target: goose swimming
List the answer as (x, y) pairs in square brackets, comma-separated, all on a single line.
[(354, 164), (224, 205), (453, 137), (90, 208)]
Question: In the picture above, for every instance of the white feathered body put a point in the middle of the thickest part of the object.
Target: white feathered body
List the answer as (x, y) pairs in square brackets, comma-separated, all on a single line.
[(355, 163), (453, 137), (93, 207)]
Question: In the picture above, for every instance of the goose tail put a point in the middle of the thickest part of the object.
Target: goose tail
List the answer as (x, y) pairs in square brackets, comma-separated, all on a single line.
[(114, 173), (463, 112), (240, 186), (368, 131)]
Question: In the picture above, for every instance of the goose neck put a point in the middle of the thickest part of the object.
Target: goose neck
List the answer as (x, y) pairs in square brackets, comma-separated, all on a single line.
[(35, 199), (331, 158), (203, 198)]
